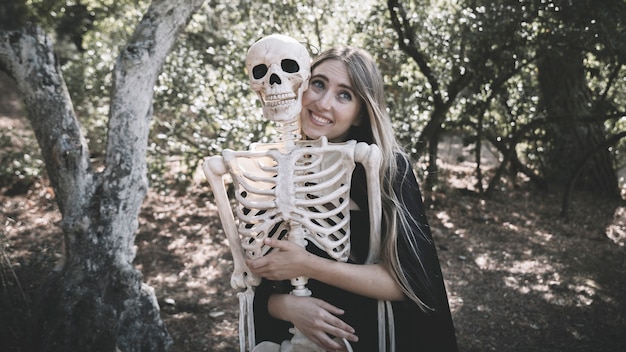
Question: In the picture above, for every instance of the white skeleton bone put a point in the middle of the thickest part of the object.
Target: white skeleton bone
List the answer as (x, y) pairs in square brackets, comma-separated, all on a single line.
[(295, 189)]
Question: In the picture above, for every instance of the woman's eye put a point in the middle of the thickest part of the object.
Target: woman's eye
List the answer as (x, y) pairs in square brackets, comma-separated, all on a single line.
[(345, 96), (318, 84)]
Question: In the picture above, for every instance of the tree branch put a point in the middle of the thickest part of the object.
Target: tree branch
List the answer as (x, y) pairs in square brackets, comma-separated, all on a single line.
[(134, 75), (27, 54), (406, 41)]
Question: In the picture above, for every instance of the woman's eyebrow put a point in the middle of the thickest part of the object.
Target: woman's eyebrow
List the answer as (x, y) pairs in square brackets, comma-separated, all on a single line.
[(319, 75), (325, 78)]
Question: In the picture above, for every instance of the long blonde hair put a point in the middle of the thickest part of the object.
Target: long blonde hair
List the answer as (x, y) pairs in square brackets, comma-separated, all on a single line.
[(376, 128)]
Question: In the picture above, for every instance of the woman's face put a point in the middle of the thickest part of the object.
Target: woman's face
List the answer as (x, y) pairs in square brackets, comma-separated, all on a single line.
[(330, 106)]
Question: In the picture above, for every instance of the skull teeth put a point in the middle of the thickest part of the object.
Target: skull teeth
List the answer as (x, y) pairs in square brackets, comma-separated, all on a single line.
[(280, 99)]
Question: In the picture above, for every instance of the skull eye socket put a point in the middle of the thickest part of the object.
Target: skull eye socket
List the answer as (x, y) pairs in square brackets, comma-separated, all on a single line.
[(259, 71), (289, 66)]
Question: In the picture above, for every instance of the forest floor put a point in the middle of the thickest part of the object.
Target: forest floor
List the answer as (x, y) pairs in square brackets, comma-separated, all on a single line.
[(519, 278)]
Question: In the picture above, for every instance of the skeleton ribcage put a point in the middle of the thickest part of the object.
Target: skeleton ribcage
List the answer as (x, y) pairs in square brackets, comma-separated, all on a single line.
[(306, 189)]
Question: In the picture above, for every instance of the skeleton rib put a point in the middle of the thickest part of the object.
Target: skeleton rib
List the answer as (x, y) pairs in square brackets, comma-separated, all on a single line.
[(327, 231), (252, 177), (257, 216), (324, 185), (327, 198), (254, 190), (320, 174), (252, 204)]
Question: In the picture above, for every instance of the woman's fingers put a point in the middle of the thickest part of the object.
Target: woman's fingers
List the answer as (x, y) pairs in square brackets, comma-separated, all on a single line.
[(331, 308), (339, 328), (285, 262), (319, 321)]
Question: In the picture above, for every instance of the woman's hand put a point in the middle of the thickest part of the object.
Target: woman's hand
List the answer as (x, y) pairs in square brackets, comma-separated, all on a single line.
[(287, 261), (315, 318)]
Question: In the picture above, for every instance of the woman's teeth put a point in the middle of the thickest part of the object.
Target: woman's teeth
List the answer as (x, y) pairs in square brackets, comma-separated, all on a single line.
[(321, 120)]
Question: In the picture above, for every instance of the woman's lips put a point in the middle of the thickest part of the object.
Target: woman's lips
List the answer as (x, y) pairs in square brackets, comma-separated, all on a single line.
[(320, 120)]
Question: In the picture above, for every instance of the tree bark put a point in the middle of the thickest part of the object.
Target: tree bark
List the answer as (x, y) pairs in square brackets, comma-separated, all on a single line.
[(97, 301), (568, 102)]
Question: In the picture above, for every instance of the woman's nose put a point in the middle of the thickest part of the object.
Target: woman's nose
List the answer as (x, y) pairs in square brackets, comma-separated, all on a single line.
[(325, 101)]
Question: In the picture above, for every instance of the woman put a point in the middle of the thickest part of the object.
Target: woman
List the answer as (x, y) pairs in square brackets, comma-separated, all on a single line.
[(345, 101)]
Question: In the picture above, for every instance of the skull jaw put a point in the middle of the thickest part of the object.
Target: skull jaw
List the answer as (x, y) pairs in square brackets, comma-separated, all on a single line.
[(282, 110)]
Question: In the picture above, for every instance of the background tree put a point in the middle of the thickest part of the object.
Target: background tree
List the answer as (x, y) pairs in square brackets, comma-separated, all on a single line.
[(97, 300), (479, 61), (464, 67), (572, 36), (443, 83)]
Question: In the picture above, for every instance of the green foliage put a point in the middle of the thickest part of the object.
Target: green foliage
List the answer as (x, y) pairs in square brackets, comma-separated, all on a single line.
[(497, 44), (202, 102), (21, 160)]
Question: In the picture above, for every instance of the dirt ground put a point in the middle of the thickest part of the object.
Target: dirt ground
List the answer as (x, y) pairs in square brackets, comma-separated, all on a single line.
[(518, 277)]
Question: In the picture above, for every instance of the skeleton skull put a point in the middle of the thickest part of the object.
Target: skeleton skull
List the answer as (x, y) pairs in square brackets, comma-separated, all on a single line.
[(279, 71)]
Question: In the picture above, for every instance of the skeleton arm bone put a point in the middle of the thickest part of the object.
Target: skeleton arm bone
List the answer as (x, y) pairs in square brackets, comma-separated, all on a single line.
[(370, 157), (214, 169)]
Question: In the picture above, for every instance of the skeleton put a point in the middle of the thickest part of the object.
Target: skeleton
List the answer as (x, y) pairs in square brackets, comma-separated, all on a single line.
[(291, 189)]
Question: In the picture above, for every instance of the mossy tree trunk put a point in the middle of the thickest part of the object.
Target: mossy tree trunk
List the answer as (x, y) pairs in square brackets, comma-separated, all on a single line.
[(97, 301)]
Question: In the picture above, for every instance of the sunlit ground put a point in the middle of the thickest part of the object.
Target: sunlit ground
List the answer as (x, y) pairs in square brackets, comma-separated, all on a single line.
[(518, 277)]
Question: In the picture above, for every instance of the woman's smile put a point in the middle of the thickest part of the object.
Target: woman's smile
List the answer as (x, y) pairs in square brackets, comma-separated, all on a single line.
[(320, 120)]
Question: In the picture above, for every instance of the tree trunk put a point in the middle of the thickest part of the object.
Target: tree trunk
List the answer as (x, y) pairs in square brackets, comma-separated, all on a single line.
[(97, 301), (568, 102)]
